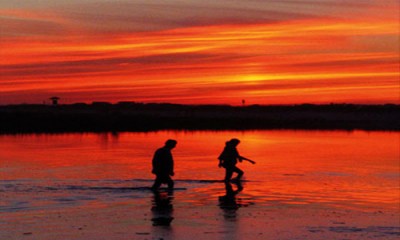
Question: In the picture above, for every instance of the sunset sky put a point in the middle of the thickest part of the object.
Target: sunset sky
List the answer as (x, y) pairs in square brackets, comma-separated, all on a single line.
[(200, 52)]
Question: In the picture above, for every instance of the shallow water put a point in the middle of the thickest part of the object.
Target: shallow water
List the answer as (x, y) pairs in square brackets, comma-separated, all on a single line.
[(295, 169), (298, 167)]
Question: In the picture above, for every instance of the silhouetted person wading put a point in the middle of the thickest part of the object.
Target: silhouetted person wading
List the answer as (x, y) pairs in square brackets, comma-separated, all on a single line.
[(228, 159), (163, 165)]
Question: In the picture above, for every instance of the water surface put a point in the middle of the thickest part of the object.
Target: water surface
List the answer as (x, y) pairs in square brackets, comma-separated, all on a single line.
[(354, 170)]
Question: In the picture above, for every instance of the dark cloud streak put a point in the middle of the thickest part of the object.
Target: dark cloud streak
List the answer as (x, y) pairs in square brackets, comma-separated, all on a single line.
[(105, 65), (130, 16), (22, 27)]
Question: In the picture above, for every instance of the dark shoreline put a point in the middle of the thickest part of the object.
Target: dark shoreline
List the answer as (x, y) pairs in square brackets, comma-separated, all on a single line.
[(105, 117)]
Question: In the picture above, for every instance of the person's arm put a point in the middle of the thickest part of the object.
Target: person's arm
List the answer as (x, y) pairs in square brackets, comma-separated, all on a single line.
[(171, 164), (172, 173), (155, 163), (220, 158), (220, 162)]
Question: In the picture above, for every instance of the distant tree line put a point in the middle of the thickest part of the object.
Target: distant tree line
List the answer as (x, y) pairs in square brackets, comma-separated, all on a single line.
[(131, 116)]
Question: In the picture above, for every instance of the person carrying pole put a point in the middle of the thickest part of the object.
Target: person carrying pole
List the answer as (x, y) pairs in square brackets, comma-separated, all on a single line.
[(229, 158)]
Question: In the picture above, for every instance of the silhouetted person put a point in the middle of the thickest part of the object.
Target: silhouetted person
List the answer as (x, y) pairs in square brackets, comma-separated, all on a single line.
[(163, 165), (228, 159), (162, 208)]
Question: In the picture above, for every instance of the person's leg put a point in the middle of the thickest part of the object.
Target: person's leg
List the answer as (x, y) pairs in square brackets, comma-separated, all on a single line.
[(228, 188), (228, 174), (239, 186), (239, 172), (170, 182), (157, 183)]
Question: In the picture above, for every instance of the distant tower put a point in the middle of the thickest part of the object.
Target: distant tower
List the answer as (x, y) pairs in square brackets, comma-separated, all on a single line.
[(243, 102), (54, 100)]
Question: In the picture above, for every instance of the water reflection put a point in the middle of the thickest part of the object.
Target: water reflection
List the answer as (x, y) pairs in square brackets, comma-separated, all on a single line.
[(228, 203), (162, 208), (108, 137)]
